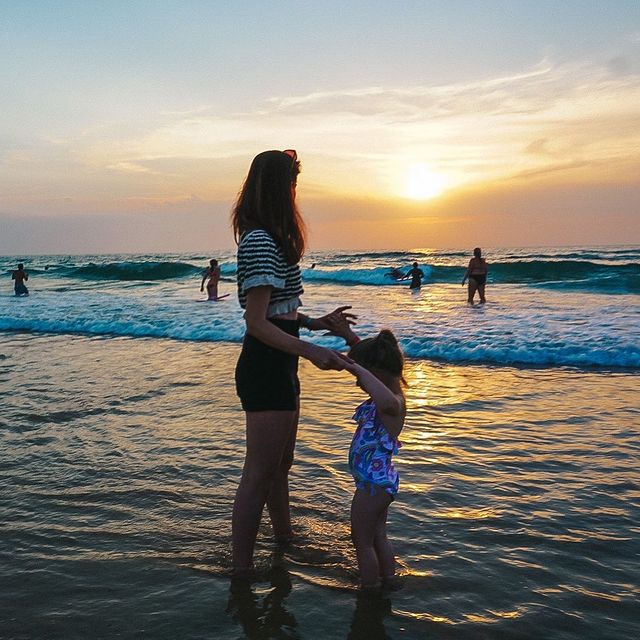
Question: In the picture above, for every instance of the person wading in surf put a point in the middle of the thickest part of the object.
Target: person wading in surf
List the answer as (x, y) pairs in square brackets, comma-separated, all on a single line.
[(477, 274), (20, 276), (271, 241)]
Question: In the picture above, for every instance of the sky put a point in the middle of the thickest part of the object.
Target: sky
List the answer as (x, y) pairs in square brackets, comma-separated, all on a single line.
[(129, 126)]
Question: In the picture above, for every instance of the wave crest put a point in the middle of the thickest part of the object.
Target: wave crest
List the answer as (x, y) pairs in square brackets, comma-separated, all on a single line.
[(133, 271)]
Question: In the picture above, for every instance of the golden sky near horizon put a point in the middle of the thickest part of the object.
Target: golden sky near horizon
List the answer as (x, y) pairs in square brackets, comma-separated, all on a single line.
[(549, 150)]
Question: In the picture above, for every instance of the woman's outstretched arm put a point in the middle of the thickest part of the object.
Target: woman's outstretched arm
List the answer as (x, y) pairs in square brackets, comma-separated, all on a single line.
[(259, 327), (325, 322)]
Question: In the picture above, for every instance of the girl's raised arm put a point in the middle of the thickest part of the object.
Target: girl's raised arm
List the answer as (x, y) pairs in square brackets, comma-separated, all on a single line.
[(389, 404)]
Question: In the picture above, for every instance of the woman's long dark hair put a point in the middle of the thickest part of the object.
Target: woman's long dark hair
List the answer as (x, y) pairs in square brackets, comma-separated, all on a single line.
[(266, 202)]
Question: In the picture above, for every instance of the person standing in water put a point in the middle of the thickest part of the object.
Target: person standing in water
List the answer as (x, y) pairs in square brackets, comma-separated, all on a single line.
[(477, 274), (20, 276), (416, 274), (213, 274), (377, 364), (271, 241)]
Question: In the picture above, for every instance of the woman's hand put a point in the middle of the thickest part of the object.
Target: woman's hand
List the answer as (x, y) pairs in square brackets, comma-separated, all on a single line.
[(325, 359), (338, 324), (337, 315)]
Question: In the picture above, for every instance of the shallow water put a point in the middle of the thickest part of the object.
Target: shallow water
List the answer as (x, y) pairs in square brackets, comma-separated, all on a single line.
[(517, 515)]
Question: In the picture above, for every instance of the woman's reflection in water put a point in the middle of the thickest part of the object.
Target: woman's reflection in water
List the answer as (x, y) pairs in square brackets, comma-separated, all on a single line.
[(368, 618), (263, 616)]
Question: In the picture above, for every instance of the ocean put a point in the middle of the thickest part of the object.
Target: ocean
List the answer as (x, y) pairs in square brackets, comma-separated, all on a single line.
[(122, 445)]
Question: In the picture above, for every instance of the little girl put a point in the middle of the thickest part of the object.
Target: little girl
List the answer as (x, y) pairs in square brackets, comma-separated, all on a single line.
[(377, 366)]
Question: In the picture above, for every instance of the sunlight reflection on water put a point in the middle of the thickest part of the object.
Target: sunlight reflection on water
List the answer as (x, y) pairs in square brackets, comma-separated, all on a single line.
[(517, 511)]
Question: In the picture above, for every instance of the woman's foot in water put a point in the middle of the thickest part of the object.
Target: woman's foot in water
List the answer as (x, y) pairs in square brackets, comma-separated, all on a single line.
[(392, 583), (241, 578), (371, 590), (284, 539)]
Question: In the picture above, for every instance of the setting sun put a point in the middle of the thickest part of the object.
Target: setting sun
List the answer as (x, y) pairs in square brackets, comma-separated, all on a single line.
[(423, 183)]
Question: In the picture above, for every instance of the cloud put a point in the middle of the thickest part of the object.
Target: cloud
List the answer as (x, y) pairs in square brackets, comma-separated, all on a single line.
[(129, 167), (471, 131), (537, 124)]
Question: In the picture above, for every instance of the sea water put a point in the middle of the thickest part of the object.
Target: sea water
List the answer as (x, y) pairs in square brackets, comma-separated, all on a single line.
[(122, 444), (545, 306)]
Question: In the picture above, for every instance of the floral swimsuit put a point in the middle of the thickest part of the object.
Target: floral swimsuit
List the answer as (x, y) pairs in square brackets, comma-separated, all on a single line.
[(371, 450)]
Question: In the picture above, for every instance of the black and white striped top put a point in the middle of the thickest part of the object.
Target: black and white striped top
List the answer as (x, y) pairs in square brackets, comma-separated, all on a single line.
[(261, 262)]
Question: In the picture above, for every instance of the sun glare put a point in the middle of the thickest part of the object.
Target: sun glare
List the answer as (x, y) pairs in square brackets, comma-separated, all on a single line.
[(422, 183)]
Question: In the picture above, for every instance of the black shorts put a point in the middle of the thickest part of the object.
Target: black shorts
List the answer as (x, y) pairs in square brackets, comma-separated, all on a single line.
[(267, 378)]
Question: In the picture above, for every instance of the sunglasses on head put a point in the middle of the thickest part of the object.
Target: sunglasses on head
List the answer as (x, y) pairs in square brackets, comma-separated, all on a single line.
[(294, 158)]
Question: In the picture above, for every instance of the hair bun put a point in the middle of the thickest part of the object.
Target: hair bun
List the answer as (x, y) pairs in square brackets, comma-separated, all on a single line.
[(381, 353), (387, 336)]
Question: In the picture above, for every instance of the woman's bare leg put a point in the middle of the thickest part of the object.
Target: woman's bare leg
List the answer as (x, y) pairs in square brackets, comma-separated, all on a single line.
[(366, 511), (278, 497), (268, 436), (481, 292)]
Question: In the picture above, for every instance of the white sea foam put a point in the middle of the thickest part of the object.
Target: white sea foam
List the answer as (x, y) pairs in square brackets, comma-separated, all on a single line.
[(521, 324)]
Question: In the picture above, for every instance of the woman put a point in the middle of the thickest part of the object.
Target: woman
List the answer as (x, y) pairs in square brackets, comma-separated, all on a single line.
[(477, 274), (271, 242)]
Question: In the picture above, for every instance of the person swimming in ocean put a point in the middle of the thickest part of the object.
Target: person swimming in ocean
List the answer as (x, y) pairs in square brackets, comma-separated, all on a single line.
[(212, 273), (395, 274), (477, 274), (416, 274), (20, 276)]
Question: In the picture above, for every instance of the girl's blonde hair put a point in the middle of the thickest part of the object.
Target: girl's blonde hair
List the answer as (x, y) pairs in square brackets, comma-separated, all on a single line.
[(381, 353)]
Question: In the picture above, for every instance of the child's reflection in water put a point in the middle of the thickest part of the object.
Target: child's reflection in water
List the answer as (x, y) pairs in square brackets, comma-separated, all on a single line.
[(368, 618)]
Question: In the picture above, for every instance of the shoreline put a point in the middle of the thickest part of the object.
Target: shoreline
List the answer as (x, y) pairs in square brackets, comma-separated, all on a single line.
[(524, 366)]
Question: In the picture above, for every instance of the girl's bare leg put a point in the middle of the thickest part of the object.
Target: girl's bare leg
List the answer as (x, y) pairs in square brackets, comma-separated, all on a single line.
[(278, 497), (269, 434), (366, 511), (481, 292), (384, 548)]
